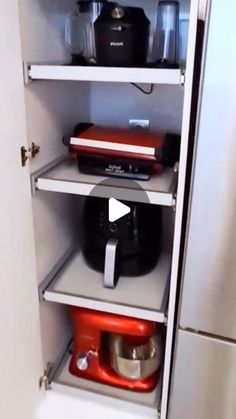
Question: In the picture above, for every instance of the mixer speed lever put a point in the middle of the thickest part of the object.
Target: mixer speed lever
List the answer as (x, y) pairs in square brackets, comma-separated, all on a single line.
[(84, 360)]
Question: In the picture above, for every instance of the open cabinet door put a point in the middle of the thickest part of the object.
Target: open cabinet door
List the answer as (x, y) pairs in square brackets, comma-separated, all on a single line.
[(20, 350)]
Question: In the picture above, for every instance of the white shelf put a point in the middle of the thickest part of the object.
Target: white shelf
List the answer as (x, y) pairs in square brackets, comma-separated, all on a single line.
[(143, 297), (68, 383), (66, 178), (103, 74)]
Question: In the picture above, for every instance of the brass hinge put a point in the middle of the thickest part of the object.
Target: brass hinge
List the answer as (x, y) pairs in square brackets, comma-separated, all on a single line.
[(44, 379), (29, 153)]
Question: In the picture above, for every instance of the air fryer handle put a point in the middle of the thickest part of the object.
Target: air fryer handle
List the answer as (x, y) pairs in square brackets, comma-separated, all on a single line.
[(110, 278)]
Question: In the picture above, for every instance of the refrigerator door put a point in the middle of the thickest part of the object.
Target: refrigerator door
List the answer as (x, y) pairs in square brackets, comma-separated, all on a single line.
[(209, 276), (204, 379)]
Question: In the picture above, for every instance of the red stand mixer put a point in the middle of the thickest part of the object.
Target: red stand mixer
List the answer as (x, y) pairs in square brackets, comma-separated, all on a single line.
[(115, 350)]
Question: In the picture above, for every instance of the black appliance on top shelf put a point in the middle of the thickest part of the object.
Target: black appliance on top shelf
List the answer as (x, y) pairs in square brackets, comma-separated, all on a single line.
[(121, 36), (129, 246), (105, 33)]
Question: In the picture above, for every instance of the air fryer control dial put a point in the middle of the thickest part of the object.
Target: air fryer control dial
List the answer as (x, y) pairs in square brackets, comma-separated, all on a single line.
[(113, 227)]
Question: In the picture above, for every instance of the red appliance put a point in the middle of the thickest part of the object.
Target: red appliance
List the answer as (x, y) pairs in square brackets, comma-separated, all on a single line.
[(92, 358), (130, 143), (122, 152)]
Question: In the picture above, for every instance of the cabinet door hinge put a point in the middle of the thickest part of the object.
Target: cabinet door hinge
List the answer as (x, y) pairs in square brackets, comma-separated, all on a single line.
[(44, 379), (29, 153), (174, 203), (176, 171)]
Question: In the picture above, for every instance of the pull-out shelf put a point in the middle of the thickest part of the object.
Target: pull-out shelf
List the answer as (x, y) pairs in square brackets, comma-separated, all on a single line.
[(66, 178), (62, 380), (75, 283), (103, 74)]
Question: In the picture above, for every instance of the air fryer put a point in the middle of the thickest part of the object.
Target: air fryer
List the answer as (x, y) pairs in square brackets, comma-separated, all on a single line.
[(121, 36), (135, 239)]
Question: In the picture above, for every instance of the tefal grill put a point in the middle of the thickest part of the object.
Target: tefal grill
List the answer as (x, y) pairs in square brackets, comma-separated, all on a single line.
[(130, 153)]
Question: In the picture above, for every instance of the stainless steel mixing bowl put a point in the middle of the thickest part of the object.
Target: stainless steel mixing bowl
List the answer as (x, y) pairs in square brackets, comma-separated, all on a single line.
[(135, 362)]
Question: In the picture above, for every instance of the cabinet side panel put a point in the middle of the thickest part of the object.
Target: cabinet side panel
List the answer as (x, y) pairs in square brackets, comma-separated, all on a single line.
[(20, 351), (52, 110), (56, 227)]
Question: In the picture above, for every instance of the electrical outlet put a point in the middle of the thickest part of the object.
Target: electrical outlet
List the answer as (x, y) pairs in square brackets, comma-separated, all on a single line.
[(139, 123)]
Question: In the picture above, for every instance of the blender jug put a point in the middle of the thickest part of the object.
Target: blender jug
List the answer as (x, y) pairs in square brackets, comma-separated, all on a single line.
[(79, 31), (166, 39)]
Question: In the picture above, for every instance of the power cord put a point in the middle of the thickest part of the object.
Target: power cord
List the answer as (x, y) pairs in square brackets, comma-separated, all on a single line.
[(145, 92)]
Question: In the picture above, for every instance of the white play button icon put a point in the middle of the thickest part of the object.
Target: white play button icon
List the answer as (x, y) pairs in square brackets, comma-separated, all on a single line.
[(117, 210)]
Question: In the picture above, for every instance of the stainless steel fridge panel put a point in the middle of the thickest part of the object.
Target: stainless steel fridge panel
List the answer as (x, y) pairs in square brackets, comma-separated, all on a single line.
[(209, 287), (204, 379)]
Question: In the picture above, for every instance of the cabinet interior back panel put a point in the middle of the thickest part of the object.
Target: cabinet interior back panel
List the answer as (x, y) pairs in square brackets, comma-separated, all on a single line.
[(117, 103)]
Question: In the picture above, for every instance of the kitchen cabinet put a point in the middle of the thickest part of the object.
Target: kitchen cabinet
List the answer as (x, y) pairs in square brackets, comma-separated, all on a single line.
[(42, 266)]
